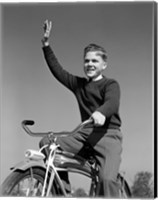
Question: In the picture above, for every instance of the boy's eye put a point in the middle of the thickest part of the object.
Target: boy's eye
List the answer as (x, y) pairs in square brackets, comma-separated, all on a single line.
[(86, 60), (93, 61)]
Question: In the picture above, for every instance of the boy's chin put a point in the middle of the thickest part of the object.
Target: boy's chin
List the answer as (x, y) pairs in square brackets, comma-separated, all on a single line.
[(90, 75)]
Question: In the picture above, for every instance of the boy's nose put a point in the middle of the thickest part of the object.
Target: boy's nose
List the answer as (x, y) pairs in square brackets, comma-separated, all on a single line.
[(90, 63)]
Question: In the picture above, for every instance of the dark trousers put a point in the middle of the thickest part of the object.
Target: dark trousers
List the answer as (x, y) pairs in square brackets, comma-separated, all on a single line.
[(107, 147)]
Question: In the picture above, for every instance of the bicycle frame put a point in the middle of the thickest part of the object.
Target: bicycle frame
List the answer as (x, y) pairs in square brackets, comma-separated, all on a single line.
[(61, 161)]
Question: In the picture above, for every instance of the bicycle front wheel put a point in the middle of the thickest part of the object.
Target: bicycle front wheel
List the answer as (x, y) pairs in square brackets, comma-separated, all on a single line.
[(25, 183)]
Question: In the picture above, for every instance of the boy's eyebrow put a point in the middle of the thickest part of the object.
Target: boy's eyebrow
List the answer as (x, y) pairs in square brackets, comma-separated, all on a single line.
[(99, 53), (90, 59)]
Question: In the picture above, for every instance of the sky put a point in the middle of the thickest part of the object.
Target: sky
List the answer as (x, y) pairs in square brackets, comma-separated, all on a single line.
[(29, 91)]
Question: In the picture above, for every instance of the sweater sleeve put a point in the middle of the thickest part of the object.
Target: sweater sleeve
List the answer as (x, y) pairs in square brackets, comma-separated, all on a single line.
[(111, 99), (67, 79)]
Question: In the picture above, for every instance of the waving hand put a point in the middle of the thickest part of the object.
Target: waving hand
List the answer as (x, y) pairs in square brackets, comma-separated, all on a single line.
[(47, 26)]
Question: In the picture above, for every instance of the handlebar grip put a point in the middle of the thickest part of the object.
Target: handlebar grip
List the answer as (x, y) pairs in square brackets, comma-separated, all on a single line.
[(28, 122)]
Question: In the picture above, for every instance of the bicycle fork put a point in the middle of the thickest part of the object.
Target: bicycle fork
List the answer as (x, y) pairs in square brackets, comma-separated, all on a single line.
[(49, 168), (48, 182)]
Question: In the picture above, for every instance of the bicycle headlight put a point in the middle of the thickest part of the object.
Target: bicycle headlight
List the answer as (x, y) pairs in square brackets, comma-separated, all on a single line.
[(34, 155)]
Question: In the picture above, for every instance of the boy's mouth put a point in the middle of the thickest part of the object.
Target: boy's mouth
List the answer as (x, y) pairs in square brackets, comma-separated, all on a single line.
[(89, 69)]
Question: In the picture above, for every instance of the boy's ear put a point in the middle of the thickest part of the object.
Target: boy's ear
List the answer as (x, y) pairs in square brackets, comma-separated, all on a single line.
[(105, 65)]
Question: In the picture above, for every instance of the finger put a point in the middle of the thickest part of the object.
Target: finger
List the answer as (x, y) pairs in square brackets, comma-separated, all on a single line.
[(91, 119), (45, 25), (46, 22), (95, 120), (50, 24)]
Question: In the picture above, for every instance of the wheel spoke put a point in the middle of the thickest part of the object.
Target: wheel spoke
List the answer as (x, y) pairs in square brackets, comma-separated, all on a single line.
[(37, 188), (27, 187), (24, 183)]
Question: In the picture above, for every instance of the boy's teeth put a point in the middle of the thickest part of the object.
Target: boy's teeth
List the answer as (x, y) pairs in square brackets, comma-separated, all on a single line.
[(90, 69)]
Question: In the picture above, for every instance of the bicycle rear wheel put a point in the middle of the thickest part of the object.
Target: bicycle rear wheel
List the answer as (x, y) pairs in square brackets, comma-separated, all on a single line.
[(26, 183), (124, 188)]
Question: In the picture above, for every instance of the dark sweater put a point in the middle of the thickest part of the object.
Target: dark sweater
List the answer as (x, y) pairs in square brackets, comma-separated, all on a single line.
[(102, 95)]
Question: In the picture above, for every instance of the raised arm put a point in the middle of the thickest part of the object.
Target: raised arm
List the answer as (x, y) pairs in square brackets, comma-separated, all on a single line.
[(64, 77)]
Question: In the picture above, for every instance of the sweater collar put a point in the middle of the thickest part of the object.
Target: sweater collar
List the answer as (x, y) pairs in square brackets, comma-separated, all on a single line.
[(98, 81)]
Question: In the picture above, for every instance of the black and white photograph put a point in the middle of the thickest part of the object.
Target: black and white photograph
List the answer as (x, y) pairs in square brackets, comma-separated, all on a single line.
[(77, 99)]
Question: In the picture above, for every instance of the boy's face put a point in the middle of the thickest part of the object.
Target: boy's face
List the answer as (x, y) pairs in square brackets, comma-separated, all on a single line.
[(94, 64)]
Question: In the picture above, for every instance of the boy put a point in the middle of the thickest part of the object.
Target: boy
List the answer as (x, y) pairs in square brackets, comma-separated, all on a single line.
[(98, 98)]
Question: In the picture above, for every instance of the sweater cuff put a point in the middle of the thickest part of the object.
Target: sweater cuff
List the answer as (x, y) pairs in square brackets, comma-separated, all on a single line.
[(46, 48)]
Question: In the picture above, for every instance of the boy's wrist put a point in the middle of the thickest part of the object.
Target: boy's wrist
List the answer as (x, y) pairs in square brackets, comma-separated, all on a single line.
[(45, 42)]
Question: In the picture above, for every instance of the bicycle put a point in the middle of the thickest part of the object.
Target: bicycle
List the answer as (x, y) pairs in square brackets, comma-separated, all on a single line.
[(37, 175)]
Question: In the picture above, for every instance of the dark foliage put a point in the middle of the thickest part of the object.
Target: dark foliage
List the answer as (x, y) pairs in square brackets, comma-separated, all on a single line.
[(143, 185)]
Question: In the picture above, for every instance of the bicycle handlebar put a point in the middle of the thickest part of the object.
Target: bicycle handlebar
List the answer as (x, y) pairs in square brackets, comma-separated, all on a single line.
[(27, 123)]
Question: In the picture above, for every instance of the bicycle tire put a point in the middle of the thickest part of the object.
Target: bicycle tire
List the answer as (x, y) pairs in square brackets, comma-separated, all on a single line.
[(12, 186)]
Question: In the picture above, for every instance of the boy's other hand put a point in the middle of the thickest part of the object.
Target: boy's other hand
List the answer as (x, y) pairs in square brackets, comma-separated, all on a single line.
[(47, 26), (99, 118)]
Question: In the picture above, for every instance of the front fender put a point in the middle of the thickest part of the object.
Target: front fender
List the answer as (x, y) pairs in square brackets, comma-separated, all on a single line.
[(25, 164)]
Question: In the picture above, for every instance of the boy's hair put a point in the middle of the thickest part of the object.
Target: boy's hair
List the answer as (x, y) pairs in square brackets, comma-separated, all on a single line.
[(94, 47)]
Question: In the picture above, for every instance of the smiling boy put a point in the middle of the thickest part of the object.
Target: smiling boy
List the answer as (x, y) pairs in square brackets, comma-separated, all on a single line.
[(98, 98)]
